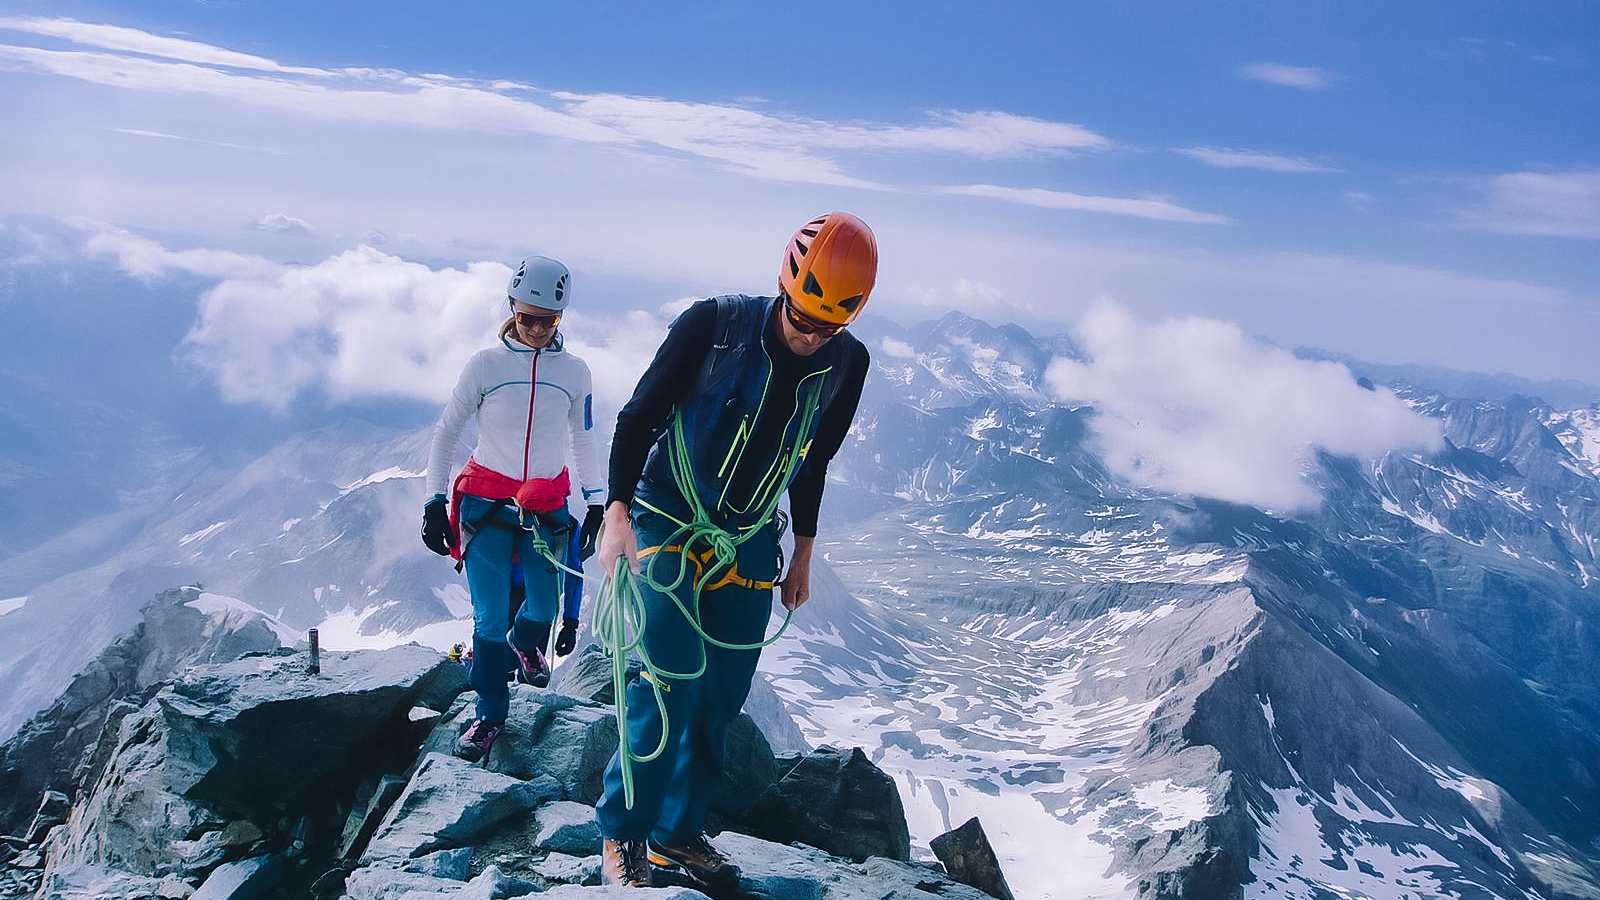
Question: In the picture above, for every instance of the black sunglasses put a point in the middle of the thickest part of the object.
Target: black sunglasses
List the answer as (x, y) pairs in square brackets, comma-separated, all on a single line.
[(805, 324)]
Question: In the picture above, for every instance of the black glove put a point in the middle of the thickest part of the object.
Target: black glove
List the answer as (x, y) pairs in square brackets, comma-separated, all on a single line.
[(591, 529), (436, 526), (568, 638)]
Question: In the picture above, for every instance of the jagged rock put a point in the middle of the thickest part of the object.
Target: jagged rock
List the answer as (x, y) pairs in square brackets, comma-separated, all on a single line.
[(748, 769), (98, 883), (969, 858), (772, 870), (392, 884), (837, 801), (54, 808), (199, 855), (455, 865), (231, 741), (546, 734), (28, 859), (54, 750), (574, 892), (450, 802), (214, 847), (367, 814), (245, 879), (566, 827), (174, 888), (565, 869), (588, 676)]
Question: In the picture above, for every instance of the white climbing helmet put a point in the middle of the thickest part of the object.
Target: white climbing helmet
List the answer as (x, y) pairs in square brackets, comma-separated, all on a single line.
[(540, 281)]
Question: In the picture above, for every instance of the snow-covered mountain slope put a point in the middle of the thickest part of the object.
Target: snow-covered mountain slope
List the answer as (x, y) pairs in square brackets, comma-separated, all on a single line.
[(1142, 695)]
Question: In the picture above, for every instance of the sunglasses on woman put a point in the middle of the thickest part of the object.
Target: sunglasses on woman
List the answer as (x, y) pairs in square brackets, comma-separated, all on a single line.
[(534, 320), (807, 325)]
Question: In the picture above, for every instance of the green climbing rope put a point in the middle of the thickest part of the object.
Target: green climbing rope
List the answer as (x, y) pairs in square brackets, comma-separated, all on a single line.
[(620, 616)]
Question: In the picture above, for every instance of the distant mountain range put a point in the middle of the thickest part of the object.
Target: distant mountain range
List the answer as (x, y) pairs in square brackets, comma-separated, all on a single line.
[(1397, 695)]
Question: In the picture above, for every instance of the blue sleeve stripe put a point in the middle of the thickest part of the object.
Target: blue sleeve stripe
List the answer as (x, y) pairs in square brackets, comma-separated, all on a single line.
[(588, 412)]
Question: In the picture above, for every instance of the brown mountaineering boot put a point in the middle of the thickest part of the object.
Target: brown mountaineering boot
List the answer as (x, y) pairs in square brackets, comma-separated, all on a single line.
[(697, 859), (625, 864)]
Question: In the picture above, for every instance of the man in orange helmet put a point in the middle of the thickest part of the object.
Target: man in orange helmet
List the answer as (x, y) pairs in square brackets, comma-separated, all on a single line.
[(762, 390)]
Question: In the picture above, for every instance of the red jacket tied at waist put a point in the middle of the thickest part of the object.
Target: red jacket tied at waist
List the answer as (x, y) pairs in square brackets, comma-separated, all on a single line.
[(536, 495)]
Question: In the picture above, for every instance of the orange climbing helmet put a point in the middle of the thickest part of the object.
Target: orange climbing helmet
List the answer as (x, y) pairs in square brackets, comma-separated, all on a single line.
[(828, 269)]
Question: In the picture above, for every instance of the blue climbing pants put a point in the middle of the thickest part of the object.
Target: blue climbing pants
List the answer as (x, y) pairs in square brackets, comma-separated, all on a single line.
[(671, 793), (488, 562)]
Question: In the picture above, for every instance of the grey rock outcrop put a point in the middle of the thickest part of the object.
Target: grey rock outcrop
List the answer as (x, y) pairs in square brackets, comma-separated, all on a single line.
[(837, 801), (773, 870), (246, 759), (547, 734), (451, 803), (969, 858), (388, 884), (55, 749), (566, 827)]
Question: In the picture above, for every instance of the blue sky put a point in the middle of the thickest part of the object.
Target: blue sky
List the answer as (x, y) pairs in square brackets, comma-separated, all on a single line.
[(1404, 182)]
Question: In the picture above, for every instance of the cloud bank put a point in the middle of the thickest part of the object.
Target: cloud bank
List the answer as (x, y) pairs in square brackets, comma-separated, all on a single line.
[(364, 324), (1197, 407)]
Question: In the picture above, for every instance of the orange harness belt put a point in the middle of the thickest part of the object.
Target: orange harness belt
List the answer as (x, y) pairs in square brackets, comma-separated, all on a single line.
[(731, 576)]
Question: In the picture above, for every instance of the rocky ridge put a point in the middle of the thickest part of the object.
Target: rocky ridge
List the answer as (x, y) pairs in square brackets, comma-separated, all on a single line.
[(255, 778)]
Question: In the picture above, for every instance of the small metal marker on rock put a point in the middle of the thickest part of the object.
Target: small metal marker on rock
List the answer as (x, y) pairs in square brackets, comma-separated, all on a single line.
[(316, 655)]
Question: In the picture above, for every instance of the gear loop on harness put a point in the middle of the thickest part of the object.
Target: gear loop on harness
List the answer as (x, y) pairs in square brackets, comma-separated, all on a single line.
[(620, 614)]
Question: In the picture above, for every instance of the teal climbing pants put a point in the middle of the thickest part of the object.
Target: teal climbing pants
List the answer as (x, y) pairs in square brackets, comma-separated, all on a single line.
[(672, 792)]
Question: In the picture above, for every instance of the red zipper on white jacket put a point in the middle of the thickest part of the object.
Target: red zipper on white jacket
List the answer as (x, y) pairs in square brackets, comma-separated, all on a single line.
[(533, 388)]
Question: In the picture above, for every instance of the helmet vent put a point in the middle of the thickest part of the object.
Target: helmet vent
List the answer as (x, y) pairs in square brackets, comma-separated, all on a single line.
[(794, 267), (561, 288), (803, 247), (809, 232), (818, 220), (849, 304), (812, 287)]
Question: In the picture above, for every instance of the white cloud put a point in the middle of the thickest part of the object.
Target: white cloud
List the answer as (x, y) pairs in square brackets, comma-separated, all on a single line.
[(1156, 208), (760, 143), (132, 40), (1306, 78), (1252, 159), (283, 224), (143, 258), (1552, 204), (1197, 407), (359, 324), (366, 324), (897, 348)]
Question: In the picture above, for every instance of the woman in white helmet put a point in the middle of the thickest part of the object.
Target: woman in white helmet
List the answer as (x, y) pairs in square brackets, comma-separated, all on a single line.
[(508, 505)]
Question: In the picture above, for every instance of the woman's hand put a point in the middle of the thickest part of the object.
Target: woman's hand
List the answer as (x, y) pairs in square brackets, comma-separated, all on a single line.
[(617, 539)]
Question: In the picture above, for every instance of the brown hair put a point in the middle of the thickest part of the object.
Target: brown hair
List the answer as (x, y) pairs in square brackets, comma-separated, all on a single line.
[(508, 328)]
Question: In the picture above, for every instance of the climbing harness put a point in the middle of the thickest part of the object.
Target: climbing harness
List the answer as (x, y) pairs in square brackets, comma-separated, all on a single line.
[(619, 611)]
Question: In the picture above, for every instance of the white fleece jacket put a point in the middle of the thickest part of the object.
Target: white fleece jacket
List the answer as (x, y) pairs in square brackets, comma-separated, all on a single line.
[(531, 406)]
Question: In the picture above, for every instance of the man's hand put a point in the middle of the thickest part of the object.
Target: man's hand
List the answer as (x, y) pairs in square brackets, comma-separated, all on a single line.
[(617, 539), (591, 528), (436, 526), (797, 584), (568, 638)]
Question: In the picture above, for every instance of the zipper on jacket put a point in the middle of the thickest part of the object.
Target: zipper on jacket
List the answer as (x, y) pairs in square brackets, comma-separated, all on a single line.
[(533, 389)]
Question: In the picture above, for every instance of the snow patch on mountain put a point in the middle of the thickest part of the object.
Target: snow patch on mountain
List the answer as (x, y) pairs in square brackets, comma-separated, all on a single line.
[(381, 476), (202, 533), (348, 629), (12, 604), (231, 613)]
